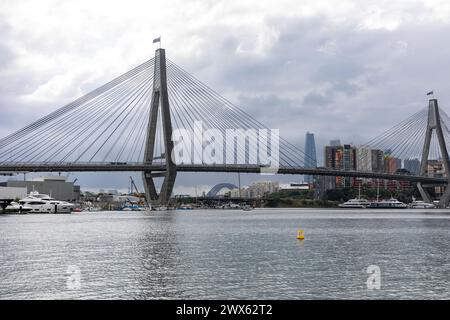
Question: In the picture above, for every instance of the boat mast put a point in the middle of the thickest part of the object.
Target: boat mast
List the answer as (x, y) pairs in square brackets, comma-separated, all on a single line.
[(239, 184), (195, 194), (378, 190), (359, 191)]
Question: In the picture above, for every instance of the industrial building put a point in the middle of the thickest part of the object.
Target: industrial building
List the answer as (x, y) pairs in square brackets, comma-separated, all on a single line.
[(55, 186), (12, 193)]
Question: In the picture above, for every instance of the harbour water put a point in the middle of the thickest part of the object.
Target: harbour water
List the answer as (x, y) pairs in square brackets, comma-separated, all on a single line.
[(220, 254)]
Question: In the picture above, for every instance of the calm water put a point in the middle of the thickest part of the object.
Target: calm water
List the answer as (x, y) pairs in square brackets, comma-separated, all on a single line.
[(225, 255)]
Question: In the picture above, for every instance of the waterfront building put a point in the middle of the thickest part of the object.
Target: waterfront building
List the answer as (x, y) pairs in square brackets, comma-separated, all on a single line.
[(392, 164), (89, 196), (235, 193), (333, 157), (367, 159), (349, 157), (12, 193), (105, 198), (394, 185), (261, 189), (322, 184), (341, 157), (349, 163), (364, 158), (377, 160), (412, 165), (256, 190), (295, 187), (310, 151), (436, 169), (55, 186)]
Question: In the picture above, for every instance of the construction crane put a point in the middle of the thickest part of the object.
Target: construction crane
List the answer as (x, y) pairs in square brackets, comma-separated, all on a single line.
[(137, 193)]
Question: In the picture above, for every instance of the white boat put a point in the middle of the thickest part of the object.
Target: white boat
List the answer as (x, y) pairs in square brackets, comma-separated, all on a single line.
[(15, 207), (355, 203), (185, 207), (388, 204), (159, 208), (417, 204), (132, 206), (94, 209), (392, 203), (43, 203)]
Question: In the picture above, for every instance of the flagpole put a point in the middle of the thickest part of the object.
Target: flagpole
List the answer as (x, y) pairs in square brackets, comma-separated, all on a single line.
[(158, 40)]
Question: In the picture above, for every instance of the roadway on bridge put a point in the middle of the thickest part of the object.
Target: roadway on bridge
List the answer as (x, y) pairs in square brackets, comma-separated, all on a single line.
[(129, 167)]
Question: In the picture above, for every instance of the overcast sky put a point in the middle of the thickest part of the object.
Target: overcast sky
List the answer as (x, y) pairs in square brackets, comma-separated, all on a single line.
[(341, 69)]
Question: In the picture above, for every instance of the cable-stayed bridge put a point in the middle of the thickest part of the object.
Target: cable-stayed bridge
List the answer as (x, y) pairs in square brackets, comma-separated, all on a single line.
[(154, 119)]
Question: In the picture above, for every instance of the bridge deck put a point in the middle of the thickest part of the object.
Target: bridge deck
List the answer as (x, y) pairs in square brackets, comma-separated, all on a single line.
[(139, 167)]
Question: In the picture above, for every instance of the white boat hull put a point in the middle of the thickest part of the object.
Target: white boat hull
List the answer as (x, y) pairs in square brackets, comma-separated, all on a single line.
[(42, 203)]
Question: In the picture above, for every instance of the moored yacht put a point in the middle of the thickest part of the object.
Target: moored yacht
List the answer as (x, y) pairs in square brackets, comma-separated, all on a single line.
[(418, 204), (15, 207), (392, 203), (132, 206), (387, 204), (43, 203), (355, 203)]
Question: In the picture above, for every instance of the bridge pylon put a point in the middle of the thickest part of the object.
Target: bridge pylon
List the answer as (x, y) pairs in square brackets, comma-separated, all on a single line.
[(434, 123), (160, 99)]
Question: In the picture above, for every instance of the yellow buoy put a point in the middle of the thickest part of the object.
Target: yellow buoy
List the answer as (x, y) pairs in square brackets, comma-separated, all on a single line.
[(300, 235)]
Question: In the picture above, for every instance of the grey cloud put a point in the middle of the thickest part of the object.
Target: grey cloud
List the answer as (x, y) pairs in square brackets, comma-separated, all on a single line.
[(337, 80), (5, 56), (317, 99)]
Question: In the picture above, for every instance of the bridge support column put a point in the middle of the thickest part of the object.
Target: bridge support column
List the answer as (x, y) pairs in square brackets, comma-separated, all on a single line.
[(434, 123), (424, 193), (160, 98)]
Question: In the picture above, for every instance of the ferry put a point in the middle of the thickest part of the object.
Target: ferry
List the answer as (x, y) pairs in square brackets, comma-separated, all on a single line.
[(355, 203), (387, 204), (43, 203)]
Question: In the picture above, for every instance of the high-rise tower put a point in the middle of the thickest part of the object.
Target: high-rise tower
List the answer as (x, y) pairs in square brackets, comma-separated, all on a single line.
[(310, 150)]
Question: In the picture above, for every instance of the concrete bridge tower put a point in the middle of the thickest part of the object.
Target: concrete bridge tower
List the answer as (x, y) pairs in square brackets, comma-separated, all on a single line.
[(160, 99), (434, 124)]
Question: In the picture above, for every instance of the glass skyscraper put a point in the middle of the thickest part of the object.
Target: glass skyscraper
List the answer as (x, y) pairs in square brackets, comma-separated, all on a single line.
[(310, 150)]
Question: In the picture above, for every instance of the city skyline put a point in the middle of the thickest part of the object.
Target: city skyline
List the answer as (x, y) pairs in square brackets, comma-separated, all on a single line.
[(247, 180), (329, 77)]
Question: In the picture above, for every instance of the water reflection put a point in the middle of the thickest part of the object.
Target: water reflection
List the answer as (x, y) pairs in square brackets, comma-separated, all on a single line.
[(226, 254), (160, 259)]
